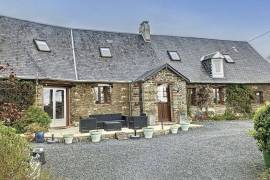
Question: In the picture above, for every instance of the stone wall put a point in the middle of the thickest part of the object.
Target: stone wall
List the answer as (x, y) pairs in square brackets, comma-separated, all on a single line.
[(220, 109), (83, 102), (39, 96), (177, 94), (136, 99)]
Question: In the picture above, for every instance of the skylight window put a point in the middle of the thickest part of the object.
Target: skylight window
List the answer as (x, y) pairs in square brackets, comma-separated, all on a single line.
[(174, 55), (42, 45), (105, 52), (228, 58)]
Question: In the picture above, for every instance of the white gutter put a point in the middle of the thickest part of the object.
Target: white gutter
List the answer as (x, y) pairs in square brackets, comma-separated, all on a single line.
[(73, 52)]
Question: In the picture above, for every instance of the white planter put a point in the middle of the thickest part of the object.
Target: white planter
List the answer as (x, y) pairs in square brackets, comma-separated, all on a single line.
[(68, 138), (148, 132), (95, 135), (174, 129), (184, 126)]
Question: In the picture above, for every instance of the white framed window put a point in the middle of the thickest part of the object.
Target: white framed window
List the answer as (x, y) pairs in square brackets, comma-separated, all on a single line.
[(103, 94), (174, 55), (217, 68), (42, 45), (105, 52)]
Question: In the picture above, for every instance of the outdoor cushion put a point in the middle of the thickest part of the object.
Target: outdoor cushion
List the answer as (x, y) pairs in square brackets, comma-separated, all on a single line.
[(137, 122), (101, 118), (87, 124), (112, 126)]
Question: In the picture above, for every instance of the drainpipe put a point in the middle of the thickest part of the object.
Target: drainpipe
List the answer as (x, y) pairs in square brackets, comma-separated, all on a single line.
[(142, 97), (129, 99), (73, 53)]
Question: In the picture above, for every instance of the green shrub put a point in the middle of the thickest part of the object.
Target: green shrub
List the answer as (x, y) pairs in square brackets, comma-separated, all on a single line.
[(262, 127), (35, 115), (238, 99), (14, 154), (265, 175), (15, 157), (35, 127), (228, 115)]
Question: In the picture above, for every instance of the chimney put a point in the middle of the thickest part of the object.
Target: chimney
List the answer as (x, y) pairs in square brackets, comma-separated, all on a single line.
[(145, 31)]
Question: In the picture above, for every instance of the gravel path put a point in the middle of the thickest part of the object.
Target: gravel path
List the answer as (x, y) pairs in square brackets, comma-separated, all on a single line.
[(219, 150)]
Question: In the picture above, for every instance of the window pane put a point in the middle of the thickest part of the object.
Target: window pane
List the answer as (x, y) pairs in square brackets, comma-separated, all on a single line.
[(48, 102), (174, 55), (216, 95), (162, 93), (217, 67), (103, 94), (60, 104), (105, 52), (97, 94), (42, 45), (228, 58), (258, 97)]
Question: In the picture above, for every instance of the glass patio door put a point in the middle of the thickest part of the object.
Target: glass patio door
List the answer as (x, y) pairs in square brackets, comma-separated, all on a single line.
[(54, 103)]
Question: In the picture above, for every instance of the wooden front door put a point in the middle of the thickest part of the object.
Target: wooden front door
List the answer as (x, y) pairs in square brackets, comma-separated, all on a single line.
[(164, 110)]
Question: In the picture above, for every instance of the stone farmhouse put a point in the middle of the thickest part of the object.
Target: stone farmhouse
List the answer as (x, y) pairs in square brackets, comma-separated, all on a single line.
[(82, 72)]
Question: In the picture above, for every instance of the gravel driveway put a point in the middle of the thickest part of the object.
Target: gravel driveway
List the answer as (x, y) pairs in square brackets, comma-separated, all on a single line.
[(219, 150)]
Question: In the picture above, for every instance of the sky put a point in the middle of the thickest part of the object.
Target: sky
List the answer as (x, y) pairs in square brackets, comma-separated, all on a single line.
[(222, 19)]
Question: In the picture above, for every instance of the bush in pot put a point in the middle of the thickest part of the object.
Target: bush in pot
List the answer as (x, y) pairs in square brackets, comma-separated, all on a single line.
[(35, 120), (38, 130), (174, 128), (95, 135), (148, 132), (262, 131), (68, 138)]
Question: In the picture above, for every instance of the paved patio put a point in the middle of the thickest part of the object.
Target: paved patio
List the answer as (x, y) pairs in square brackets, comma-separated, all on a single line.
[(219, 150), (58, 133)]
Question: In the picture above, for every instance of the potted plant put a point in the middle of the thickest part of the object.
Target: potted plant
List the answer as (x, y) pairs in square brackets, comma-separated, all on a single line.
[(68, 138), (261, 131), (95, 135), (148, 132), (174, 128), (38, 130), (185, 126), (35, 121), (184, 123)]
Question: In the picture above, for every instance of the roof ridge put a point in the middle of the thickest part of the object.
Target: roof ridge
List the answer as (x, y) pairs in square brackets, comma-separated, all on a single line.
[(106, 31)]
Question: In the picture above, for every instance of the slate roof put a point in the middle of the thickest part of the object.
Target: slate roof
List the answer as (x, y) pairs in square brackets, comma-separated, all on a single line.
[(131, 56)]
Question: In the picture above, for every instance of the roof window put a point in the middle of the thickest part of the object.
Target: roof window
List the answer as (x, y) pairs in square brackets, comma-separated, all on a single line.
[(105, 52), (228, 58), (42, 45), (174, 55)]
